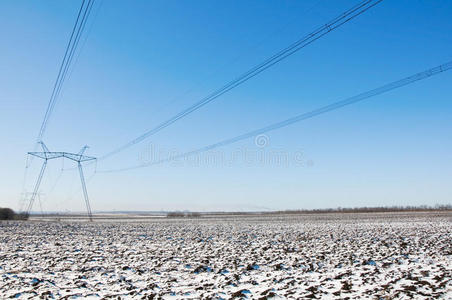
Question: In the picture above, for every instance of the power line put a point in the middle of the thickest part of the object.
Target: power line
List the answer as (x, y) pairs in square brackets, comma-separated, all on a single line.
[(83, 43), (73, 50), (301, 43), (301, 117), (76, 33), (233, 60)]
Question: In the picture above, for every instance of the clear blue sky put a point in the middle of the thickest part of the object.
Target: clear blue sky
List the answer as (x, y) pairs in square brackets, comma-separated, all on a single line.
[(144, 61)]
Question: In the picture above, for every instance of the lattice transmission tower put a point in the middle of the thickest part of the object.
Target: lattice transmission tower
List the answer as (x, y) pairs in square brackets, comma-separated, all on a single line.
[(27, 195), (48, 155)]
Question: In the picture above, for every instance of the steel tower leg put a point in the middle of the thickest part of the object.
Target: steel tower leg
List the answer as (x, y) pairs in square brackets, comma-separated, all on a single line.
[(40, 205), (85, 192), (38, 183)]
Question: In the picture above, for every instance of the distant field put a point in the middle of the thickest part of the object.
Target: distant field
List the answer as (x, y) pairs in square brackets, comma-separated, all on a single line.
[(225, 256)]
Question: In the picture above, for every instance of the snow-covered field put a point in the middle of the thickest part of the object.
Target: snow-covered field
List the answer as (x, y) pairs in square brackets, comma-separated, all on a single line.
[(332, 256)]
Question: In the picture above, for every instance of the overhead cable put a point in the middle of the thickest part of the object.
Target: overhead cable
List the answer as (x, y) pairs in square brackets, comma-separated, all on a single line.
[(331, 107), (288, 51)]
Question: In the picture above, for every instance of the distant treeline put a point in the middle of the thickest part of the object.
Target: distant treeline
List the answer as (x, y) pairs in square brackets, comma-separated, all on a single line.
[(9, 214), (367, 209), (375, 209), (179, 214)]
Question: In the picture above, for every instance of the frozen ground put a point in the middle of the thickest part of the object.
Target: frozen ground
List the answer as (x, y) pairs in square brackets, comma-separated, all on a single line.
[(335, 256)]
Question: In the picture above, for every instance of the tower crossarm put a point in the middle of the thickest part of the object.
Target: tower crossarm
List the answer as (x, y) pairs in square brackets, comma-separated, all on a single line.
[(71, 156), (47, 155), (78, 157)]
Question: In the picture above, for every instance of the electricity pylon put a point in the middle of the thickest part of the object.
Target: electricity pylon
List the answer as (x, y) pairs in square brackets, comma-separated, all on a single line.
[(47, 155), (27, 195)]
